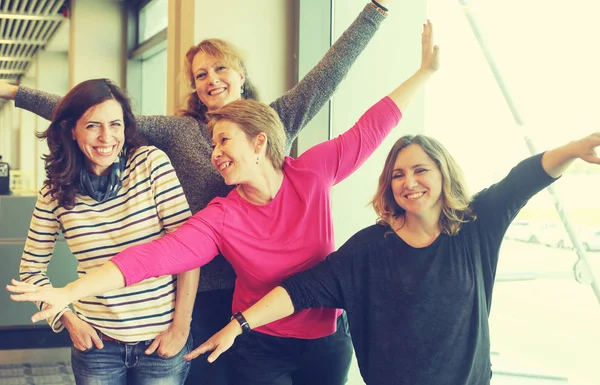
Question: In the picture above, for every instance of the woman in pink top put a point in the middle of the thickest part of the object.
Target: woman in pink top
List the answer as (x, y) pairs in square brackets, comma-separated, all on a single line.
[(275, 223)]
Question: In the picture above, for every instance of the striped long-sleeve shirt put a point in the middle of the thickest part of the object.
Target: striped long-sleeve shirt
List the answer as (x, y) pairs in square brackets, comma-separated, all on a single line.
[(150, 203)]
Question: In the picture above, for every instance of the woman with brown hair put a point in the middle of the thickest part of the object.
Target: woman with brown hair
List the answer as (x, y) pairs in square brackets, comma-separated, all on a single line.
[(104, 191)]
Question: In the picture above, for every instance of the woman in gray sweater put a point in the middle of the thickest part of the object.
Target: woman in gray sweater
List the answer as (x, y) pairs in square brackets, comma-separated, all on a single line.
[(218, 75)]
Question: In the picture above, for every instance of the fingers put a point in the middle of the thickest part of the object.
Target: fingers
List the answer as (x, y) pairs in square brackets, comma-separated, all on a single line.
[(21, 287), (97, 341), (214, 355), (42, 315), (205, 347), (154, 345)]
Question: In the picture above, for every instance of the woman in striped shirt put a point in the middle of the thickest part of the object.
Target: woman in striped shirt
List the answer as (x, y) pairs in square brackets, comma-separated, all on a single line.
[(106, 192)]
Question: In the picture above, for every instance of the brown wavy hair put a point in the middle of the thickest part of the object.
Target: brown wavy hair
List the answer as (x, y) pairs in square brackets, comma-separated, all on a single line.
[(231, 56), (456, 208), (253, 118), (65, 160)]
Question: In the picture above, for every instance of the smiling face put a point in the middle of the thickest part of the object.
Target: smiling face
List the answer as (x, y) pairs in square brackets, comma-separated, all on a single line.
[(217, 83), (234, 155), (417, 183), (100, 135)]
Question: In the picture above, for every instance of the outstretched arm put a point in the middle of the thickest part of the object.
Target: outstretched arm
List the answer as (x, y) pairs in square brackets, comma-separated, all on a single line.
[(556, 161), (328, 284), (155, 128), (193, 245), (39, 102), (273, 306), (106, 278)]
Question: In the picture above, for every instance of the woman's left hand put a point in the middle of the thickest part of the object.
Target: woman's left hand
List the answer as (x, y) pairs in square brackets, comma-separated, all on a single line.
[(170, 342), (430, 53), (218, 343), (585, 148)]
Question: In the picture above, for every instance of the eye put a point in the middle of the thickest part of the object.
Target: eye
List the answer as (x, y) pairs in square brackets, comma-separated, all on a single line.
[(91, 126), (221, 68), (420, 170), (200, 76), (396, 176), (117, 124), (223, 140)]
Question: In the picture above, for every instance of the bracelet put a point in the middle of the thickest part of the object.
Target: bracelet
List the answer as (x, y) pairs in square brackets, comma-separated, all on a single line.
[(242, 321), (384, 9)]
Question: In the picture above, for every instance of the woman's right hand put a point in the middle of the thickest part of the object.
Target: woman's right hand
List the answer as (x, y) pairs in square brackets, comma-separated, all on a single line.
[(54, 299), (8, 91), (83, 335)]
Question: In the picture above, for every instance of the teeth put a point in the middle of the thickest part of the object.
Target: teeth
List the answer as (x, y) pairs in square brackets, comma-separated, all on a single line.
[(104, 150), (217, 91), (224, 165), (415, 195)]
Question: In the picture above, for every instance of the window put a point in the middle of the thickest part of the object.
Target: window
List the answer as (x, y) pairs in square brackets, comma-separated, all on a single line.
[(154, 85), (544, 324), (153, 18)]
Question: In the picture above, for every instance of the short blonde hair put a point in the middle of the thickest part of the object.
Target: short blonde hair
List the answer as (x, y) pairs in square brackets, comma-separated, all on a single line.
[(253, 118), (456, 208)]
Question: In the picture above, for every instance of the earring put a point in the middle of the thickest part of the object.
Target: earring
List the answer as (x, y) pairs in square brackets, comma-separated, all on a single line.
[(242, 89), (256, 159)]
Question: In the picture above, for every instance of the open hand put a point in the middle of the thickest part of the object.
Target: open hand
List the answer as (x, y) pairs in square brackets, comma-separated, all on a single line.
[(429, 52), (55, 299), (218, 343), (587, 148)]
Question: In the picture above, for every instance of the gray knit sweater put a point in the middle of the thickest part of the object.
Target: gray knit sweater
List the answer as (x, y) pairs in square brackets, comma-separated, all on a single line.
[(188, 145)]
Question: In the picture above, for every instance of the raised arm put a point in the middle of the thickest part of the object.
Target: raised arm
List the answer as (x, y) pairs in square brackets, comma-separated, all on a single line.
[(300, 104), (336, 159)]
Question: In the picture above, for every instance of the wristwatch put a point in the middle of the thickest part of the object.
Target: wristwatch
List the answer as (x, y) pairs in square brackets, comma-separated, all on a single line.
[(243, 323)]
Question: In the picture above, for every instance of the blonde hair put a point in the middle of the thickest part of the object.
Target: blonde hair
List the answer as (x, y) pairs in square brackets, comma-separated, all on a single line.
[(229, 55), (456, 208), (253, 118)]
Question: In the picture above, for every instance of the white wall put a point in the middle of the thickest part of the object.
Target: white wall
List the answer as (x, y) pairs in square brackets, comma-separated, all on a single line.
[(52, 76), (97, 41), (262, 29)]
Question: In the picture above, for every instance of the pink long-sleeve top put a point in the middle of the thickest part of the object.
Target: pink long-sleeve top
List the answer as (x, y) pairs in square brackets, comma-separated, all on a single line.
[(266, 244)]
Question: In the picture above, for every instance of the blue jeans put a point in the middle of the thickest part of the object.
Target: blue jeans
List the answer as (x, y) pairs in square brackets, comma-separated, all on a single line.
[(120, 364)]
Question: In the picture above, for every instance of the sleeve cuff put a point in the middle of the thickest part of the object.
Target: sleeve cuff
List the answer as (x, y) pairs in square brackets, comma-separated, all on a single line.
[(55, 322)]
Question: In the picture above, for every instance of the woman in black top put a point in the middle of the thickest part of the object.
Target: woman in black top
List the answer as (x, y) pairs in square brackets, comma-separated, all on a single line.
[(417, 286)]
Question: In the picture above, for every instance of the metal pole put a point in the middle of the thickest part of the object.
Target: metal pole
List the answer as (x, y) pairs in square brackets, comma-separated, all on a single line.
[(582, 271)]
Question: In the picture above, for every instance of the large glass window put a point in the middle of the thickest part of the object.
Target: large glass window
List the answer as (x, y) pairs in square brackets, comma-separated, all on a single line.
[(153, 18), (154, 85), (537, 81)]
